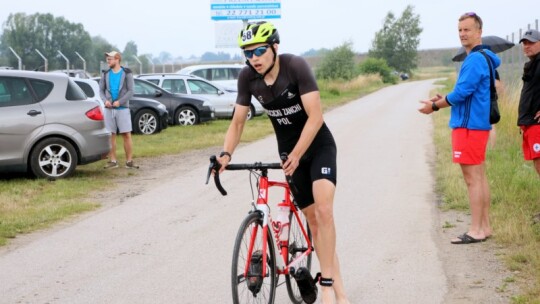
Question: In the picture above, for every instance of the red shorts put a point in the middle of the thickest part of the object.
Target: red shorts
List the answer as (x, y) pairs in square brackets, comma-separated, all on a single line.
[(469, 146), (531, 142)]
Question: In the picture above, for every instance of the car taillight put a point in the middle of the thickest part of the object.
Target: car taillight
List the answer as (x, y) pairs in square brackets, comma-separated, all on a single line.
[(95, 114)]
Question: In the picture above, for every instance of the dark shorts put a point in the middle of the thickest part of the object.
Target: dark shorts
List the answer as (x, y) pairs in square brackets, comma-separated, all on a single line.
[(320, 165), (469, 146), (531, 142)]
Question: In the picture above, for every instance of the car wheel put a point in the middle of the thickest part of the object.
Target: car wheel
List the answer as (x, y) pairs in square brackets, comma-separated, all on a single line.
[(251, 112), (53, 158), (145, 122), (186, 116)]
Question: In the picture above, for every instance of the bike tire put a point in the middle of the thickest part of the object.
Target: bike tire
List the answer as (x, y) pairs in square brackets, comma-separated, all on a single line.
[(297, 240), (241, 292)]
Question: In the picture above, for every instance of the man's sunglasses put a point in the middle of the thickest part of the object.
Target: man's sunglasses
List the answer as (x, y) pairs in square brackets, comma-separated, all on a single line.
[(257, 51)]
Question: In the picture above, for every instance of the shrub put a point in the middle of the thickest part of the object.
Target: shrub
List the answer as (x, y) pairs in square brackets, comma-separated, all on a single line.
[(377, 66)]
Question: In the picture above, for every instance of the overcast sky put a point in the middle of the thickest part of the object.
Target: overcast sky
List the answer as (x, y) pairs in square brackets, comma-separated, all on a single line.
[(184, 27)]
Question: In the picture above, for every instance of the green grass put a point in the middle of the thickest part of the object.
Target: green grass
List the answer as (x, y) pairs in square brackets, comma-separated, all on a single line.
[(515, 191), (30, 204)]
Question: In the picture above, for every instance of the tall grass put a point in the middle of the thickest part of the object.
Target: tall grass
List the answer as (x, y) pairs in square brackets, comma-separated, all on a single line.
[(515, 190)]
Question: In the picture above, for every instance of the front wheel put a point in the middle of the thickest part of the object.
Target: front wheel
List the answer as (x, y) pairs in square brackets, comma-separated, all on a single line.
[(186, 116), (146, 122), (248, 283), (297, 245)]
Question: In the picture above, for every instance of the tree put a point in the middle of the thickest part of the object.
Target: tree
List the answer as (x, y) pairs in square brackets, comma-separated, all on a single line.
[(337, 63), (130, 50), (97, 59), (26, 33), (397, 42)]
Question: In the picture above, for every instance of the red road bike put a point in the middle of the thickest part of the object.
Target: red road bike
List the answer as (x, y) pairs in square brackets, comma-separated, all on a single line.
[(255, 265)]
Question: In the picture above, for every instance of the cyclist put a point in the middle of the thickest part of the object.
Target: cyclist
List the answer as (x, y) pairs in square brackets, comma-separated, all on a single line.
[(287, 89)]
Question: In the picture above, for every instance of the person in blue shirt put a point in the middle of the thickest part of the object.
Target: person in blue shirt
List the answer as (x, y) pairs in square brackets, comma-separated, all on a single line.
[(116, 88), (470, 101)]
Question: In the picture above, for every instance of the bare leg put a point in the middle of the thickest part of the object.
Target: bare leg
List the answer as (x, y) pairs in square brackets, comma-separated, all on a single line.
[(478, 191), (537, 165), (112, 153), (128, 146), (320, 217)]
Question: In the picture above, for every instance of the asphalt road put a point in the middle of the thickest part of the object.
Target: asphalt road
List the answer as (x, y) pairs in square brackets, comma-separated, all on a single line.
[(173, 243)]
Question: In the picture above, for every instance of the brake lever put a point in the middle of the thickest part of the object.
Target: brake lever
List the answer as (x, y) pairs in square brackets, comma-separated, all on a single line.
[(215, 165)]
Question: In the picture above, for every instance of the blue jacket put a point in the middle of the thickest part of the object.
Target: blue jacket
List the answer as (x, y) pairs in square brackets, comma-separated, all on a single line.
[(470, 99)]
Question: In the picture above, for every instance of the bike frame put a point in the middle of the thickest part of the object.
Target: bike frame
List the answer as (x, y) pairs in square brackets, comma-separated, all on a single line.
[(262, 206)]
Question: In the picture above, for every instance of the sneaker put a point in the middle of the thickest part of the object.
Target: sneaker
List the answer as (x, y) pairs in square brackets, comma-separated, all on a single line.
[(111, 165), (131, 165)]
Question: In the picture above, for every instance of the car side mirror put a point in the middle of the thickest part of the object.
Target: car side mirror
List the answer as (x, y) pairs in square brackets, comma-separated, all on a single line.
[(158, 93), (220, 92)]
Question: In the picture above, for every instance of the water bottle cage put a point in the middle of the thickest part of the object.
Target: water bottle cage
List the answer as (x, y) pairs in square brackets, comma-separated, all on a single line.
[(326, 282)]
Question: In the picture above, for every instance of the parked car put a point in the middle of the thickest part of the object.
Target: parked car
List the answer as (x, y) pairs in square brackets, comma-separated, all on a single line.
[(183, 110), (225, 75), (222, 100), (147, 116), (47, 125)]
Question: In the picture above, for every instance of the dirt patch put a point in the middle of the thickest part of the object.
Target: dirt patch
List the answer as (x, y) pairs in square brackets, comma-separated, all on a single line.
[(475, 272)]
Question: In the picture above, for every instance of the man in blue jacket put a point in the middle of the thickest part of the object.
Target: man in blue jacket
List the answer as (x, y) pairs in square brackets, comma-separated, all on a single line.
[(469, 120)]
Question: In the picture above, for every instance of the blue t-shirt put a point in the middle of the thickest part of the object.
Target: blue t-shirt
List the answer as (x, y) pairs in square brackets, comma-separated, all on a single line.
[(114, 83)]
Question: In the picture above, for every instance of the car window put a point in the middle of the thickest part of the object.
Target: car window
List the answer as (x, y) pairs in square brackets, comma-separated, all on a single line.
[(42, 88), (234, 73), (142, 88), (87, 89), (200, 73), (175, 86), (74, 92), (14, 92), (201, 87), (220, 74)]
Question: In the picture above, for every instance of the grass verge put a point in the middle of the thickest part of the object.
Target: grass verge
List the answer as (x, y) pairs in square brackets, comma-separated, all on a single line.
[(30, 204), (515, 191)]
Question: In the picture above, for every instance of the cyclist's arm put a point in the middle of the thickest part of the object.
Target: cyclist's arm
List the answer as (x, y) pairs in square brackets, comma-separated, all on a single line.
[(232, 137), (312, 106)]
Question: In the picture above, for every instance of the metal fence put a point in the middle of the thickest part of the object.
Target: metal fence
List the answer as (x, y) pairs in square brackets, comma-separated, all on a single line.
[(513, 59)]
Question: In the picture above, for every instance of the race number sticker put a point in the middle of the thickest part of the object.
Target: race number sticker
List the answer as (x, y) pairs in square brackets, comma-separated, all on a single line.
[(247, 36)]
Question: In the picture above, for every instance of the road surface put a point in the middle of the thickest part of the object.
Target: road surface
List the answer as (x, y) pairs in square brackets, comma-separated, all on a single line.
[(173, 243)]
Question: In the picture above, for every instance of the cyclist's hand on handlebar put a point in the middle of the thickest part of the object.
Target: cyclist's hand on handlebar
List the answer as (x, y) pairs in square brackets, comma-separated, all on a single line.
[(223, 161), (290, 165)]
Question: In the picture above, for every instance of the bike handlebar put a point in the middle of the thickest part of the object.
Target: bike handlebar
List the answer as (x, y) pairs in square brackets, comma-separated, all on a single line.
[(215, 166)]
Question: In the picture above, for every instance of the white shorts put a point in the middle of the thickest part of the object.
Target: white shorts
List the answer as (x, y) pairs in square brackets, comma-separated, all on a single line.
[(118, 120)]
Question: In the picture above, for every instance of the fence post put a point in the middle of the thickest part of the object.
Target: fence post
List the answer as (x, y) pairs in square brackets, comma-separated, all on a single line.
[(18, 58)]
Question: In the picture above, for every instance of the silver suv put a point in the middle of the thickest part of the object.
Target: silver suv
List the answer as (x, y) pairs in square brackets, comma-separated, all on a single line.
[(225, 75), (221, 99), (47, 125)]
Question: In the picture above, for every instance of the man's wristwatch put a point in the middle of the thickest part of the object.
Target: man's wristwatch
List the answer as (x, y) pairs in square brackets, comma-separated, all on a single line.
[(434, 106), (223, 153)]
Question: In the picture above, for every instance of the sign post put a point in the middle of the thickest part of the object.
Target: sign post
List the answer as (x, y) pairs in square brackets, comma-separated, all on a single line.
[(235, 10)]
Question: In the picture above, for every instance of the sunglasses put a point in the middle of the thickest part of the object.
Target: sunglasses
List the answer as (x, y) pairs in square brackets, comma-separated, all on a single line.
[(257, 51)]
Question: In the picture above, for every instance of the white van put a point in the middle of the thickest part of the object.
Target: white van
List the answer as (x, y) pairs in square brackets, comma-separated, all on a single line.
[(225, 75)]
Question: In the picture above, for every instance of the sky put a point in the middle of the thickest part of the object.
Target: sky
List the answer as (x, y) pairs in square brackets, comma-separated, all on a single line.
[(185, 28)]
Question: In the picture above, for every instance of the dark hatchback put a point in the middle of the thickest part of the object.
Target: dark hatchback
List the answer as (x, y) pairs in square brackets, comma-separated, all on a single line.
[(147, 116), (183, 110)]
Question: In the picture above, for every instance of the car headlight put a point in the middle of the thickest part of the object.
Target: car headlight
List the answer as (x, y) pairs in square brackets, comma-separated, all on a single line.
[(162, 106)]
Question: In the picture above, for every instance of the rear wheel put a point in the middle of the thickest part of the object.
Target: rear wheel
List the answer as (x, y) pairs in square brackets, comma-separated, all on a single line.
[(186, 116), (53, 158), (248, 283), (145, 122), (297, 246), (251, 112)]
